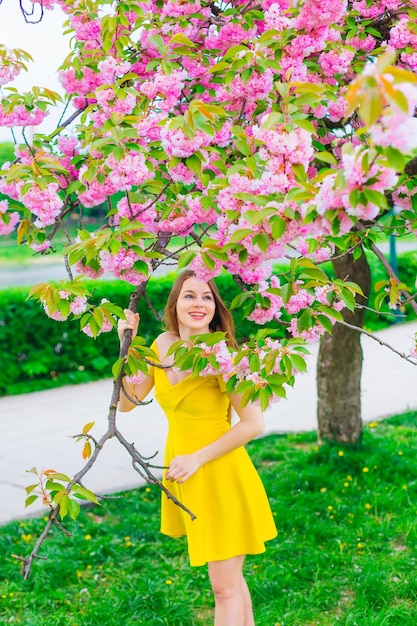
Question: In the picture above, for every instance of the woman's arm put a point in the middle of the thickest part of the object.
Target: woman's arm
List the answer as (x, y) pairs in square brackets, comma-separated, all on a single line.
[(250, 425), (135, 391)]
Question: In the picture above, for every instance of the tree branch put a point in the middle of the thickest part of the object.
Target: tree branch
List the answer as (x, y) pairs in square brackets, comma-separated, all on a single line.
[(406, 357)]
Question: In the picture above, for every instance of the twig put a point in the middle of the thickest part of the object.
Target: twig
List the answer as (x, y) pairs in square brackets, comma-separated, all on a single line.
[(379, 340), (147, 475), (391, 273)]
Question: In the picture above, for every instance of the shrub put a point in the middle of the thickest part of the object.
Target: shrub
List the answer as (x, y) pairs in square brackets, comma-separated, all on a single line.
[(39, 353)]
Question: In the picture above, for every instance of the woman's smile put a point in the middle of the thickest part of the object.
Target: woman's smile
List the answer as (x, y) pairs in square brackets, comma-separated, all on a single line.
[(195, 307)]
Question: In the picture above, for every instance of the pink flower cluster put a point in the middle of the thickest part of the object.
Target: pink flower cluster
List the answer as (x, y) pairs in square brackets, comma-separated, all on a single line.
[(106, 327), (86, 29), (330, 196), (115, 175), (77, 306), (8, 220), (44, 202), (166, 88), (108, 105), (21, 116), (10, 66), (176, 143), (122, 265), (316, 14), (396, 127), (220, 359)]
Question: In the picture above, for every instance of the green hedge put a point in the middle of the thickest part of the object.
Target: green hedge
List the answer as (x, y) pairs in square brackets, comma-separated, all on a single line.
[(38, 353)]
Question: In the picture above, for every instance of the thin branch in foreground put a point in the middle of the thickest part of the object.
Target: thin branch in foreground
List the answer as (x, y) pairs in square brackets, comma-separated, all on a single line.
[(404, 356)]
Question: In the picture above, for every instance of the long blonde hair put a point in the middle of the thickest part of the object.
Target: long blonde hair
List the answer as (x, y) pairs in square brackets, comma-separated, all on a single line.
[(222, 319)]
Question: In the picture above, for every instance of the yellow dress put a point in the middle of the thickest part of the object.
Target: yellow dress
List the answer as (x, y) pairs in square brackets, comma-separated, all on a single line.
[(233, 516)]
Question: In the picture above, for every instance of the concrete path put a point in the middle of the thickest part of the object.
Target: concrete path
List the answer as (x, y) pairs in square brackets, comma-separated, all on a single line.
[(35, 428)]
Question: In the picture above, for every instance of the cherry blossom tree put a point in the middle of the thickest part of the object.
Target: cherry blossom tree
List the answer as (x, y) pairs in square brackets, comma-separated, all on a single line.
[(221, 136)]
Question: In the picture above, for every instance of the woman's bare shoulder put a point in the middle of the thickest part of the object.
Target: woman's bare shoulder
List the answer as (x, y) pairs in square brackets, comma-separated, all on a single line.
[(164, 341)]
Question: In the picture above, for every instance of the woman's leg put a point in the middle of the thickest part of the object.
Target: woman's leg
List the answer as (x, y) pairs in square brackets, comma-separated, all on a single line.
[(247, 602), (233, 606)]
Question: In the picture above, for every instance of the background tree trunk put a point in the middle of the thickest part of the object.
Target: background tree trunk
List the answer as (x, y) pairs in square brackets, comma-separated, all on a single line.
[(339, 365)]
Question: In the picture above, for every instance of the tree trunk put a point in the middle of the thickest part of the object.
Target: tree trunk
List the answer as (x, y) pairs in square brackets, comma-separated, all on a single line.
[(339, 365)]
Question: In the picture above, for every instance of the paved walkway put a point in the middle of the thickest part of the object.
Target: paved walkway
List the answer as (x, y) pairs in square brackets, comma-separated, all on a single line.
[(35, 427)]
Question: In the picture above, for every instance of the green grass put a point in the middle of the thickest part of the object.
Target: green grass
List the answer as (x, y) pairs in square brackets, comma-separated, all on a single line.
[(345, 552)]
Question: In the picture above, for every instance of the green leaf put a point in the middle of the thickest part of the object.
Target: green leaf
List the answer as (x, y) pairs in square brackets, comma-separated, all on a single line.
[(278, 225), (85, 494), (30, 500), (325, 157), (186, 258), (64, 505), (375, 197), (59, 476), (182, 39), (117, 368), (74, 509), (298, 362)]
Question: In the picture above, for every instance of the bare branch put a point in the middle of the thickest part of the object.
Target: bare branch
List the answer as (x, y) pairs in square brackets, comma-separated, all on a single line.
[(137, 460), (406, 357)]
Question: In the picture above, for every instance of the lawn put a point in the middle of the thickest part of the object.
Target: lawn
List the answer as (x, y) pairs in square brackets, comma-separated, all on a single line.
[(345, 552)]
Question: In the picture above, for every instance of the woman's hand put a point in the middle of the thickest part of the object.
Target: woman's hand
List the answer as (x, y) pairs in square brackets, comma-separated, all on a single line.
[(130, 323), (182, 467)]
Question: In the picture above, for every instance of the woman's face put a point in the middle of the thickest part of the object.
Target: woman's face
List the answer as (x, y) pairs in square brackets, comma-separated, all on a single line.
[(195, 307)]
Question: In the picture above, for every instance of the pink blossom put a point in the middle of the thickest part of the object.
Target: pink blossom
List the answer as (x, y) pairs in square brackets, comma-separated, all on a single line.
[(21, 116), (149, 126), (122, 265), (366, 44), (311, 334), (177, 8), (202, 271), (165, 86), (136, 379), (111, 68), (8, 221), (56, 315), (10, 67), (375, 8), (78, 305), (315, 14), (86, 29), (335, 61), (41, 247), (45, 203), (181, 173), (176, 143), (274, 20), (82, 267), (301, 299), (76, 85), (68, 145), (221, 355), (130, 171), (227, 36), (106, 327), (337, 110)]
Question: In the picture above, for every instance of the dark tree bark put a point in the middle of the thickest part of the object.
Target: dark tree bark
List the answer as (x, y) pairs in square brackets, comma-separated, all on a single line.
[(339, 365)]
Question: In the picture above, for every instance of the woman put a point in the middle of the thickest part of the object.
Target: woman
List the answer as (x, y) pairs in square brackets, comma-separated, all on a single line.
[(209, 471)]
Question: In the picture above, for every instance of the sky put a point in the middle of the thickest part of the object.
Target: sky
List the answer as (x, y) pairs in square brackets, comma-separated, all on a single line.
[(47, 45)]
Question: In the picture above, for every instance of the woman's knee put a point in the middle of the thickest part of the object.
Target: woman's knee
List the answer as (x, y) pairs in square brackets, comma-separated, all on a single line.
[(226, 577)]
